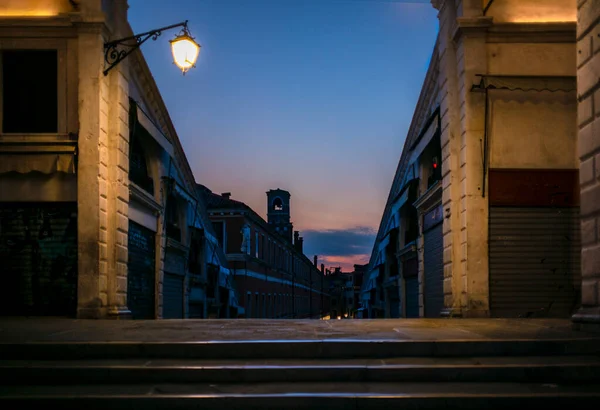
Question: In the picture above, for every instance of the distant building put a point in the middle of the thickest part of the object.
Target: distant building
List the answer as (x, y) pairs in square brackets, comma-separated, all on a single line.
[(270, 271), (341, 288), (357, 280)]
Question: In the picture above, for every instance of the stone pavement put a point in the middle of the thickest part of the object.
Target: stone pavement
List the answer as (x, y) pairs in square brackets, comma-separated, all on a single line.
[(21, 330)]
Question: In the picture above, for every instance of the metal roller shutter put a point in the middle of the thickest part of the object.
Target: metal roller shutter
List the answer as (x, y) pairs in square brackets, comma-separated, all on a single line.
[(412, 296), (140, 275), (38, 254), (433, 261), (173, 296), (534, 261)]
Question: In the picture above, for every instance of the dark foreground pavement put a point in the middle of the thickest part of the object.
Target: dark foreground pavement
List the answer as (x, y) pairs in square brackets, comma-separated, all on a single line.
[(297, 364), (17, 330)]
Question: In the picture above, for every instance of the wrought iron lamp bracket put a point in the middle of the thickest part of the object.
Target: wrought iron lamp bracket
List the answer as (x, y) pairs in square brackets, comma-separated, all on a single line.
[(117, 50)]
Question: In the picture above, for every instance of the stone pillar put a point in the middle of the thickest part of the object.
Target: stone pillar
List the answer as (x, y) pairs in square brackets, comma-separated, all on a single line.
[(471, 60), (91, 173), (462, 55), (115, 107), (102, 184), (588, 90), (450, 141)]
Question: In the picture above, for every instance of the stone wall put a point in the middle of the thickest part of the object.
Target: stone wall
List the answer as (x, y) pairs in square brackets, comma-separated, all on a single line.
[(588, 90)]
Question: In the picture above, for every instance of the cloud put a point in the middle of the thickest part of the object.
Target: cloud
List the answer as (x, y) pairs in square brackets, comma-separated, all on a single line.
[(340, 247), (351, 242)]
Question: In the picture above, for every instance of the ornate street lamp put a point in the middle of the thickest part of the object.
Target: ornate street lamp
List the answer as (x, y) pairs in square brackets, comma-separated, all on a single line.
[(185, 50)]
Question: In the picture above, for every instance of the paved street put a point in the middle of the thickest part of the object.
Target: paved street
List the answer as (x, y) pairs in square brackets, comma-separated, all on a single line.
[(60, 329)]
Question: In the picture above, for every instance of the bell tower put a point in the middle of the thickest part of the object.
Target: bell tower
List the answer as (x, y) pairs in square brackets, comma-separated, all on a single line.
[(278, 212)]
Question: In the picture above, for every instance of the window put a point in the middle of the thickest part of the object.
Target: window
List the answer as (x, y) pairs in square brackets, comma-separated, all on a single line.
[(138, 169), (277, 204), (256, 245), (30, 91), (172, 217), (219, 227)]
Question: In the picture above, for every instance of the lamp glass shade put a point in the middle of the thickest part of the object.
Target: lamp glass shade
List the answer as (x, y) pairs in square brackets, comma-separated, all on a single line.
[(185, 52)]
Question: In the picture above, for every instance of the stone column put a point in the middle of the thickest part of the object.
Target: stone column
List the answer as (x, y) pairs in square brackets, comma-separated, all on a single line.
[(471, 60), (102, 183), (115, 106), (91, 173), (588, 90), (450, 141)]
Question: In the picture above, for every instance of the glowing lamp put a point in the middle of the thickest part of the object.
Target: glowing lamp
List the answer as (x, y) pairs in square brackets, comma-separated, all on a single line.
[(185, 51)]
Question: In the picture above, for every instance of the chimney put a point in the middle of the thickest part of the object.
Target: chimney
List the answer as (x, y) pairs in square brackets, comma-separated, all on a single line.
[(296, 236), (315, 261), (323, 268), (300, 244), (226, 195)]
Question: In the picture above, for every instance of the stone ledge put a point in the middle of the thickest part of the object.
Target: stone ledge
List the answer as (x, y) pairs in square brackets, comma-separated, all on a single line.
[(587, 319)]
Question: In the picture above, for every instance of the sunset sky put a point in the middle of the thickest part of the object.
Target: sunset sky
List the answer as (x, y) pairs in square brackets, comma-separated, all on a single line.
[(311, 96)]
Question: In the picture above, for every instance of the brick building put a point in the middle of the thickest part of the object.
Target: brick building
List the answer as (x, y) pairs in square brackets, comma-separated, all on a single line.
[(100, 217), (271, 273), (483, 217)]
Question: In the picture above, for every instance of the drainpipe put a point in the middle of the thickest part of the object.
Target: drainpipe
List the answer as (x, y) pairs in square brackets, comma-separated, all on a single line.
[(485, 144), (482, 88)]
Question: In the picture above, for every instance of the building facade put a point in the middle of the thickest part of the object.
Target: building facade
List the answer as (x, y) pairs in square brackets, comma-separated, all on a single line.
[(588, 92), (482, 219), (100, 217), (271, 273)]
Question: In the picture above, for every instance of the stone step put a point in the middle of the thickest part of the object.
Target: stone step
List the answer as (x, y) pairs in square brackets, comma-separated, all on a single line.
[(330, 396), (548, 369), (290, 349)]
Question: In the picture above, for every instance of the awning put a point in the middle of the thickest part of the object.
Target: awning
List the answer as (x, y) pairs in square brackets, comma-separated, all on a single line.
[(398, 203), (40, 162), (181, 191), (526, 83), (223, 273), (146, 122), (371, 280), (384, 242)]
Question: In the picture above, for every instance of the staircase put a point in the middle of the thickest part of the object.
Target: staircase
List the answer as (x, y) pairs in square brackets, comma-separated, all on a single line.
[(322, 374)]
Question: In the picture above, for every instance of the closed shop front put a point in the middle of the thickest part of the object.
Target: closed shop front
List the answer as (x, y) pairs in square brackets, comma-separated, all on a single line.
[(412, 296), (410, 268), (173, 288), (38, 256), (141, 267), (534, 246), (433, 263)]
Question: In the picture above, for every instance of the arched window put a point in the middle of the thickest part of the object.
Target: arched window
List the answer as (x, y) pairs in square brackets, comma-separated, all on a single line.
[(277, 204)]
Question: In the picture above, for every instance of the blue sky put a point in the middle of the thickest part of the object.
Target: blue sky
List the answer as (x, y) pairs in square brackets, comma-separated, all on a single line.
[(311, 96)]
